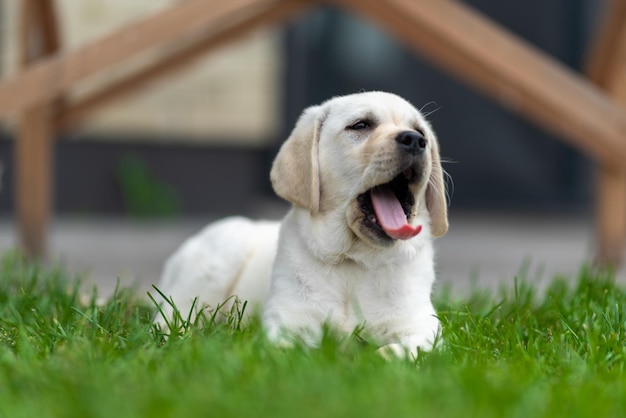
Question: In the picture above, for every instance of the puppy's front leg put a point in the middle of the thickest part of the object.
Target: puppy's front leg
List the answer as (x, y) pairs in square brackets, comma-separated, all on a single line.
[(285, 327), (294, 313), (409, 348), (300, 302), (422, 339)]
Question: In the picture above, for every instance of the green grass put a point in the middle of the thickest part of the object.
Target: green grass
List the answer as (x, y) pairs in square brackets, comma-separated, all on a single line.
[(511, 354)]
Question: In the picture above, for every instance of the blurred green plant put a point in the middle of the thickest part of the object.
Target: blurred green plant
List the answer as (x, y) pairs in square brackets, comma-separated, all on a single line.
[(144, 195)]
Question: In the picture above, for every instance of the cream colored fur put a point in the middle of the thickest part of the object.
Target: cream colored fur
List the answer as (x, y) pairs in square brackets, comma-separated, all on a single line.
[(321, 265)]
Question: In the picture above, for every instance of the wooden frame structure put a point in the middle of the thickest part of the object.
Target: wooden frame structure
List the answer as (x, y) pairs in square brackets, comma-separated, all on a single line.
[(587, 112)]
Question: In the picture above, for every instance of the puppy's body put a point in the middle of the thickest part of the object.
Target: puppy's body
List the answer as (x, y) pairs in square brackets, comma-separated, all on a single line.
[(233, 256), (364, 175), (386, 290)]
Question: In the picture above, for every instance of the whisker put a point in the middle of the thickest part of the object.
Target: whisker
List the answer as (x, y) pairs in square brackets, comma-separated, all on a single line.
[(428, 113), (448, 184), (448, 180), (448, 161), (450, 189)]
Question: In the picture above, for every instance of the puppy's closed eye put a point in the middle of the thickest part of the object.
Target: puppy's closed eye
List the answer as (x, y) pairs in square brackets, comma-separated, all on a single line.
[(361, 125)]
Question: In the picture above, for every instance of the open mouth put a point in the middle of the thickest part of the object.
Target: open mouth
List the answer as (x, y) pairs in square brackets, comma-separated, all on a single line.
[(387, 207)]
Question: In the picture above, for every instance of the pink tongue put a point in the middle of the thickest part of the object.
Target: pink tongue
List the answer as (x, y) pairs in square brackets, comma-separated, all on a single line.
[(390, 214)]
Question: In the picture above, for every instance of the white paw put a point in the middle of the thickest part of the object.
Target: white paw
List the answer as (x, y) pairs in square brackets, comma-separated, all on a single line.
[(408, 347), (396, 351), (286, 337)]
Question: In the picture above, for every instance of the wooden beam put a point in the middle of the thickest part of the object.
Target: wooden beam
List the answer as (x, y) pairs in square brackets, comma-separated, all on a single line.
[(607, 55), (52, 77), (34, 178), (47, 18), (610, 215), (506, 68), (35, 132), (606, 67), (272, 14)]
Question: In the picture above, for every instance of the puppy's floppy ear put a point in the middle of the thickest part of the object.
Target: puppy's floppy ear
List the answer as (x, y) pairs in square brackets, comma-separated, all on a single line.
[(436, 195), (295, 172)]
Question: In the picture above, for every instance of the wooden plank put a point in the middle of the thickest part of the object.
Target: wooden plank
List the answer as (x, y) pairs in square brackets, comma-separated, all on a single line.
[(47, 18), (610, 215), (34, 178), (51, 77), (35, 132), (273, 14), (607, 55), (606, 67), (507, 69)]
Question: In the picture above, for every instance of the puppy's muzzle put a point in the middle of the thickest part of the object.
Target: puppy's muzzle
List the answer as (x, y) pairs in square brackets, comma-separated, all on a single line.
[(411, 142)]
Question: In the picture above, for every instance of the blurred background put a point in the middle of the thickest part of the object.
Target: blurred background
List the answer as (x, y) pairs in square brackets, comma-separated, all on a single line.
[(145, 172)]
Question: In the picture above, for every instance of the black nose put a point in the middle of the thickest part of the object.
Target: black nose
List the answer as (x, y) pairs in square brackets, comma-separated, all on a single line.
[(412, 142)]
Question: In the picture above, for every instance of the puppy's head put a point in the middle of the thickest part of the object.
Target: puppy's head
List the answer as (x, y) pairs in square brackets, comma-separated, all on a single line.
[(371, 156)]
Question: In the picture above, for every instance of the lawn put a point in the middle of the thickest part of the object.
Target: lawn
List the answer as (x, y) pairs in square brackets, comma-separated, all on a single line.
[(506, 354)]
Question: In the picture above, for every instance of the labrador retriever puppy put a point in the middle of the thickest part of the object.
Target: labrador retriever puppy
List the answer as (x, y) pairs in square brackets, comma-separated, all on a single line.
[(364, 176)]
